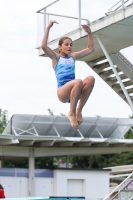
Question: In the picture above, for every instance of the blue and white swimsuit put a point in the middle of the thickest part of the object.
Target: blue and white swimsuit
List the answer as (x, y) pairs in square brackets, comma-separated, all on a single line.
[(64, 70)]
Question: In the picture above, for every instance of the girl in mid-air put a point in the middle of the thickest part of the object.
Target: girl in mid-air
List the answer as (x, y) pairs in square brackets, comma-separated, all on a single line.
[(69, 89)]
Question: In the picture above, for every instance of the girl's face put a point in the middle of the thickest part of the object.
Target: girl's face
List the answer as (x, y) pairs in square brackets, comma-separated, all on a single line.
[(66, 47)]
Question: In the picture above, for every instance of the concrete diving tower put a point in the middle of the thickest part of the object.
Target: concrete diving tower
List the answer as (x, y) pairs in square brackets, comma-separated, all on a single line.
[(111, 33), (44, 135), (35, 136)]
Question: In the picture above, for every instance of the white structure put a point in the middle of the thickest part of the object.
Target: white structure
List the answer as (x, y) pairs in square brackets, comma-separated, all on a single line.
[(111, 33), (121, 182), (34, 136), (59, 182)]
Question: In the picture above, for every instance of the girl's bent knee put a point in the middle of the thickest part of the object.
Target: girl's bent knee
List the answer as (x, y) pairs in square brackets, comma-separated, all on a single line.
[(79, 82), (92, 79)]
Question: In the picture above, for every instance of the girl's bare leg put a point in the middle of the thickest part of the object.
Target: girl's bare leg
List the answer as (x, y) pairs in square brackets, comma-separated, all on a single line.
[(88, 84), (71, 91)]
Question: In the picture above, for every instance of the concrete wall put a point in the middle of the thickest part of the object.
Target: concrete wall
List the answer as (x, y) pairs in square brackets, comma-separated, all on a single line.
[(88, 183), (18, 187)]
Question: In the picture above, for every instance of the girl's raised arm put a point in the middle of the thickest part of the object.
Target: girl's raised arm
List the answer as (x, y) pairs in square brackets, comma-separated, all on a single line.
[(50, 53), (90, 46)]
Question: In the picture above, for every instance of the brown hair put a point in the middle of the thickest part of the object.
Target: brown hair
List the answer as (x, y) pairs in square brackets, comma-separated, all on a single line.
[(1, 187), (62, 40)]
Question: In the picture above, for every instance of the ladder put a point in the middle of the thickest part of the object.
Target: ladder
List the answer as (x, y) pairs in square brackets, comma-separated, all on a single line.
[(120, 187), (124, 68)]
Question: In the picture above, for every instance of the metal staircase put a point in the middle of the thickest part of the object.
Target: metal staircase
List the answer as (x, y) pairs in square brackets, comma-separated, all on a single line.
[(106, 61), (124, 68), (115, 194)]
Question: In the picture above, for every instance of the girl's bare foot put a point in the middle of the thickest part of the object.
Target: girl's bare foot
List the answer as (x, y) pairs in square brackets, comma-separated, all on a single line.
[(73, 120), (79, 117)]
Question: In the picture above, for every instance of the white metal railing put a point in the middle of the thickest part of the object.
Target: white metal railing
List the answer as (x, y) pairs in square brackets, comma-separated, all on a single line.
[(118, 188), (43, 11), (119, 5), (122, 57), (46, 18)]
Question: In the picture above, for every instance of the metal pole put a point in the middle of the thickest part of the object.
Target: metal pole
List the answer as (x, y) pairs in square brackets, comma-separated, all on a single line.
[(48, 23), (131, 198), (47, 6), (67, 161), (44, 19), (123, 8), (79, 13), (11, 124), (115, 71), (31, 172)]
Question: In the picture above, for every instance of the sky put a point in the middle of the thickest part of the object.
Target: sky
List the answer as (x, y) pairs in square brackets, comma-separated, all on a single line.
[(27, 81)]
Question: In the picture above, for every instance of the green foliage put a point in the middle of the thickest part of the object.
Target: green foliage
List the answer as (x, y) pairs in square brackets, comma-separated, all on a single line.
[(45, 163), (51, 112), (22, 163), (129, 134), (40, 163), (93, 161), (3, 120), (102, 161)]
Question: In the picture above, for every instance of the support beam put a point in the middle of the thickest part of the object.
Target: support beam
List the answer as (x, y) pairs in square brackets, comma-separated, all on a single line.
[(44, 19), (27, 143), (8, 142), (2, 163), (123, 8), (31, 172), (79, 13), (67, 161), (66, 144), (47, 143), (115, 71)]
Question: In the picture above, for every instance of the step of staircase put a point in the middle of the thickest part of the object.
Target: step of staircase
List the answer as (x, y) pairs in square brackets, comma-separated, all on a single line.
[(124, 69)]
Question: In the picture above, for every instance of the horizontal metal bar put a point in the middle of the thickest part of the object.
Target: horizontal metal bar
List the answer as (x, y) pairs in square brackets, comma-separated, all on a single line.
[(117, 4), (64, 16), (65, 123), (47, 6)]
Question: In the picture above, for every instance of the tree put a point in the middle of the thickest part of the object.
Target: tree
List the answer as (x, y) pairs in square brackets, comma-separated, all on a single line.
[(51, 112), (3, 120), (45, 163), (22, 163)]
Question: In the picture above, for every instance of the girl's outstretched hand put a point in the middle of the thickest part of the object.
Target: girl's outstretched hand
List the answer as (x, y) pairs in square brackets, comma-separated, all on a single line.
[(51, 22), (86, 28)]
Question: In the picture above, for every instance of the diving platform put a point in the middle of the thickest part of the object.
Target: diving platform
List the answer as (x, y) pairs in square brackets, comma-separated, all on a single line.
[(111, 33), (45, 136), (36, 136), (115, 31)]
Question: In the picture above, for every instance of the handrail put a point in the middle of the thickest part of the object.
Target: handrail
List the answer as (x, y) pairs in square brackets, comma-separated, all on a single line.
[(65, 16), (118, 3), (131, 198), (47, 6), (106, 198), (123, 2), (125, 59), (114, 5)]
